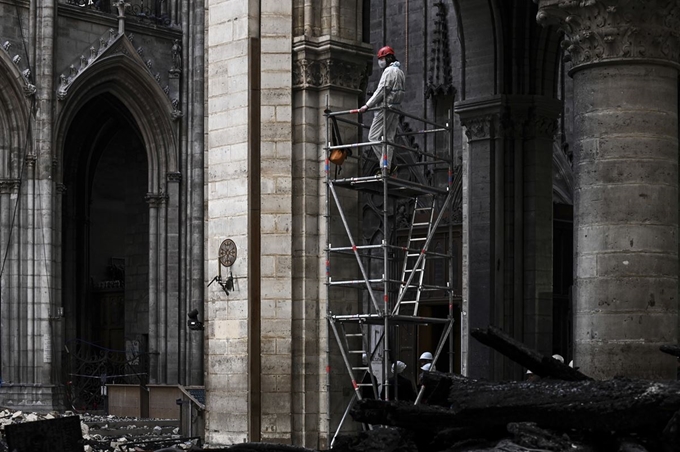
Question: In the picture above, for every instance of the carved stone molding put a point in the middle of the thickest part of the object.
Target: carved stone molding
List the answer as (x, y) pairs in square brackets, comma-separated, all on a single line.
[(478, 127), (174, 177), (9, 185), (30, 160), (496, 125), (117, 43), (598, 30), (156, 199), (322, 62), (440, 76), (540, 126), (330, 73), (29, 89)]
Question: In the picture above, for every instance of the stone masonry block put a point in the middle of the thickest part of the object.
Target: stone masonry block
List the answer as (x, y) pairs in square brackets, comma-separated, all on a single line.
[(638, 264), (268, 384), (268, 186), (221, 34), (268, 114), (625, 294), (276, 204), (276, 223), (230, 329), (241, 28), (268, 346), (279, 96), (225, 119), (277, 63), (237, 346), (227, 364), (283, 114), (275, 44), (223, 11), (276, 131), (284, 266), (284, 185), (284, 346), (238, 66), (237, 309), (220, 54), (276, 365), (277, 7), (268, 266), (276, 78), (275, 25), (276, 328), (219, 208), (237, 383)]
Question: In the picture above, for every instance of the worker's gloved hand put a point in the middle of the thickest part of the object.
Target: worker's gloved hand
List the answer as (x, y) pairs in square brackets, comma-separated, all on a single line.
[(363, 109)]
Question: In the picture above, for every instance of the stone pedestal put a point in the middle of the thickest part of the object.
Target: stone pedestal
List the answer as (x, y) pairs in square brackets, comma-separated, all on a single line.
[(626, 182)]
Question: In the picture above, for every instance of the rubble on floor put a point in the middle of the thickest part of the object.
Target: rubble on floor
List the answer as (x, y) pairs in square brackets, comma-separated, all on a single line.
[(107, 433)]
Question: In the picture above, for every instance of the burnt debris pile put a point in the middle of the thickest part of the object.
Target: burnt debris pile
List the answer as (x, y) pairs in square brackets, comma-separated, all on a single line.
[(565, 410)]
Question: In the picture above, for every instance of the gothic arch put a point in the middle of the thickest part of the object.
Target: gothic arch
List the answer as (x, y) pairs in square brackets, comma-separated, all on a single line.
[(121, 74), (149, 106), (480, 30), (14, 113)]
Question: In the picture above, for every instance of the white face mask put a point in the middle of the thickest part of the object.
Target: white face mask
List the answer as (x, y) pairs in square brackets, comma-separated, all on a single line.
[(382, 63)]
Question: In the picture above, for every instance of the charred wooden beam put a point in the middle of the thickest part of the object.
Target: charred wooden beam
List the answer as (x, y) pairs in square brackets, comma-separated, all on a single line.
[(671, 349), (620, 405), (541, 365)]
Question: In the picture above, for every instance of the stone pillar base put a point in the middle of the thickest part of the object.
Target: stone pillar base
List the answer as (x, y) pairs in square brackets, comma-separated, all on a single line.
[(33, 397)]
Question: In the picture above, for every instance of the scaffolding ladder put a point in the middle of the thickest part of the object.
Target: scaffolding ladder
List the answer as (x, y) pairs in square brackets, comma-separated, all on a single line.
[(415, 246)]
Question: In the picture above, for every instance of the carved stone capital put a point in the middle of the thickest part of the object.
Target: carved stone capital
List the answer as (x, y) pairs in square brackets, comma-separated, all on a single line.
[(597, 31), (323, 63), (156, 199), (9, 185), (330, 73), (487, 126), (538, 125)]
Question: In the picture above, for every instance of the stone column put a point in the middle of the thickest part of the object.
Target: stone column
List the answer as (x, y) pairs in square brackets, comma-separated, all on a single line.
[(483, 231), (175, 321), (157, 305), (507, 217), (625, 61), (330, 63)]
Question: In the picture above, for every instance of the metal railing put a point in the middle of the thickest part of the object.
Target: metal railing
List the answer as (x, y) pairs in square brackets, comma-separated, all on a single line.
[(88, 368)]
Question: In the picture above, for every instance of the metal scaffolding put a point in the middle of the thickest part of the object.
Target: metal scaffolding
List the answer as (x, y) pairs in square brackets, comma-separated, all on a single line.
[(429, 199)]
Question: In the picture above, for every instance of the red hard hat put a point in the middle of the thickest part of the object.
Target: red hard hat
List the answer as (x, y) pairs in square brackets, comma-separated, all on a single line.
[(387, 50)]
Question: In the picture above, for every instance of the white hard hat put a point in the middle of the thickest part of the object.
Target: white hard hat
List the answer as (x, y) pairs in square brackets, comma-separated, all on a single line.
[(426, 355), (529, 372), (559, 358), (426, 367), (400, 367), (571, 363)]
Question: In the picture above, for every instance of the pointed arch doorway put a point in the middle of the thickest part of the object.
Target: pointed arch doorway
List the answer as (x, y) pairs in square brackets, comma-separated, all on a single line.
[(105, 236)]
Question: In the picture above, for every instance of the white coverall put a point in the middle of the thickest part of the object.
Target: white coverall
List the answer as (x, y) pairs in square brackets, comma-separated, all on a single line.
[(392, 87)]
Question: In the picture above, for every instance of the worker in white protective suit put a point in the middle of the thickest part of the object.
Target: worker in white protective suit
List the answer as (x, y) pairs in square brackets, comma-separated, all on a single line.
[(390, 92)]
